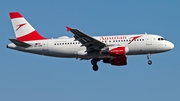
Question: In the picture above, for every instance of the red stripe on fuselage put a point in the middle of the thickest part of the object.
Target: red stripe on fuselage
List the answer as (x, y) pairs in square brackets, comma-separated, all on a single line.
[(31, 36), (15, 15), (134, 38)]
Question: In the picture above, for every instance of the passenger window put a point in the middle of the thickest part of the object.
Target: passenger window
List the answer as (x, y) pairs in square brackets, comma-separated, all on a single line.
[(54, 43), (159, 39)]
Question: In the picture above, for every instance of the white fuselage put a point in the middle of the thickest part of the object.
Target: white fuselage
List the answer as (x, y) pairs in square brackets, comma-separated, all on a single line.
[(69, 48)]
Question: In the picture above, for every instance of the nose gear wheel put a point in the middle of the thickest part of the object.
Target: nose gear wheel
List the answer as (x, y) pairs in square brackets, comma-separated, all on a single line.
[(149, 60)]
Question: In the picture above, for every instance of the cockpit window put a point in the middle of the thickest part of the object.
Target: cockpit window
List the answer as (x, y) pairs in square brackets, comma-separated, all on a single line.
[(161, 39)]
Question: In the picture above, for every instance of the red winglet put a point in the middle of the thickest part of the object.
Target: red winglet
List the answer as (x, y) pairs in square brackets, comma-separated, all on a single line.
[(15, 15), (68, 28)]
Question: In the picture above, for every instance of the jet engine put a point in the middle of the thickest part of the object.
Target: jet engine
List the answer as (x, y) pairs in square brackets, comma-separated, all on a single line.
[(118, 55), (117, 61), (118, 51), (115, 51)]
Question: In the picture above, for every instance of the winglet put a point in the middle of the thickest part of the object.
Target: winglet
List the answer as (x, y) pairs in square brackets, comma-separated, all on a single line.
[(68, 28)]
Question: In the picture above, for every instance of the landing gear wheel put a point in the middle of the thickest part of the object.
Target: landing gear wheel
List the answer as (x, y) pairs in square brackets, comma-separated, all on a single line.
[(149, 57), (95, 67), (94, 62), (149, 62)]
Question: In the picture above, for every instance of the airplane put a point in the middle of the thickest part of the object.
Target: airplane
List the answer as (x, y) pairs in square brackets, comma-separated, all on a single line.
[(112, 49)]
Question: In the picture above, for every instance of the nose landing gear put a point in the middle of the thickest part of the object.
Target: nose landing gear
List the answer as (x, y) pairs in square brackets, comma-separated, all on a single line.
[(148, 57), (94, 63)]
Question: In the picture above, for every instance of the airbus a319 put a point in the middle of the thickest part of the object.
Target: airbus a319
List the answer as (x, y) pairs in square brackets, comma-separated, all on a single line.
[(112, 49)]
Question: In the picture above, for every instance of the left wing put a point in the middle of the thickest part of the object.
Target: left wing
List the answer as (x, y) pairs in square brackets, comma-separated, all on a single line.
[(90, 43)]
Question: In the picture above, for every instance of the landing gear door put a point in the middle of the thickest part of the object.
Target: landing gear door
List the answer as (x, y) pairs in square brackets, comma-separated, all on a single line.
[(148, 40)]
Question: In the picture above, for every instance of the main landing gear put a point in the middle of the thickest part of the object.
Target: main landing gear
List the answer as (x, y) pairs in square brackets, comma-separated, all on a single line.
[(94, 63), (148, 57)]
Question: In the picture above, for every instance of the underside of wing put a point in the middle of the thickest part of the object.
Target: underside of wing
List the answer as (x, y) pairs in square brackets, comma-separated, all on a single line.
[(89, 42)]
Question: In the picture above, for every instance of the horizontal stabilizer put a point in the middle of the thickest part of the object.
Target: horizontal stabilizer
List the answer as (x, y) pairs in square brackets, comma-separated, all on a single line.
[(20, 43)]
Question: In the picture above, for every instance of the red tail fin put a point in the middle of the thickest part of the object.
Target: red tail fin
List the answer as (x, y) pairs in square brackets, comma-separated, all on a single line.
[(23, 30)]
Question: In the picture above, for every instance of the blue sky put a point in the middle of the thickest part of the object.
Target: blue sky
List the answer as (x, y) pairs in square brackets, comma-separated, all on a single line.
[(29, 77)]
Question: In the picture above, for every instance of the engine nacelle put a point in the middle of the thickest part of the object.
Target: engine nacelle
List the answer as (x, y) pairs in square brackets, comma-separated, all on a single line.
[(118, 61), (118, 51), (115, 50)]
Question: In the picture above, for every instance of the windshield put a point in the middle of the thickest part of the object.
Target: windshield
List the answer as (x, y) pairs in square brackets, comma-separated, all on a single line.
[(161, 39)]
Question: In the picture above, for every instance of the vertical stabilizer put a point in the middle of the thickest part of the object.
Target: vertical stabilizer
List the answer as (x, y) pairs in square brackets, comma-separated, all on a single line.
[(23, 30)]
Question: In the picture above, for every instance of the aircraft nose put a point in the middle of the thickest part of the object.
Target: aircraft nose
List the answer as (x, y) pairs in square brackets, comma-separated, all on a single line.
[(170, 45)]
